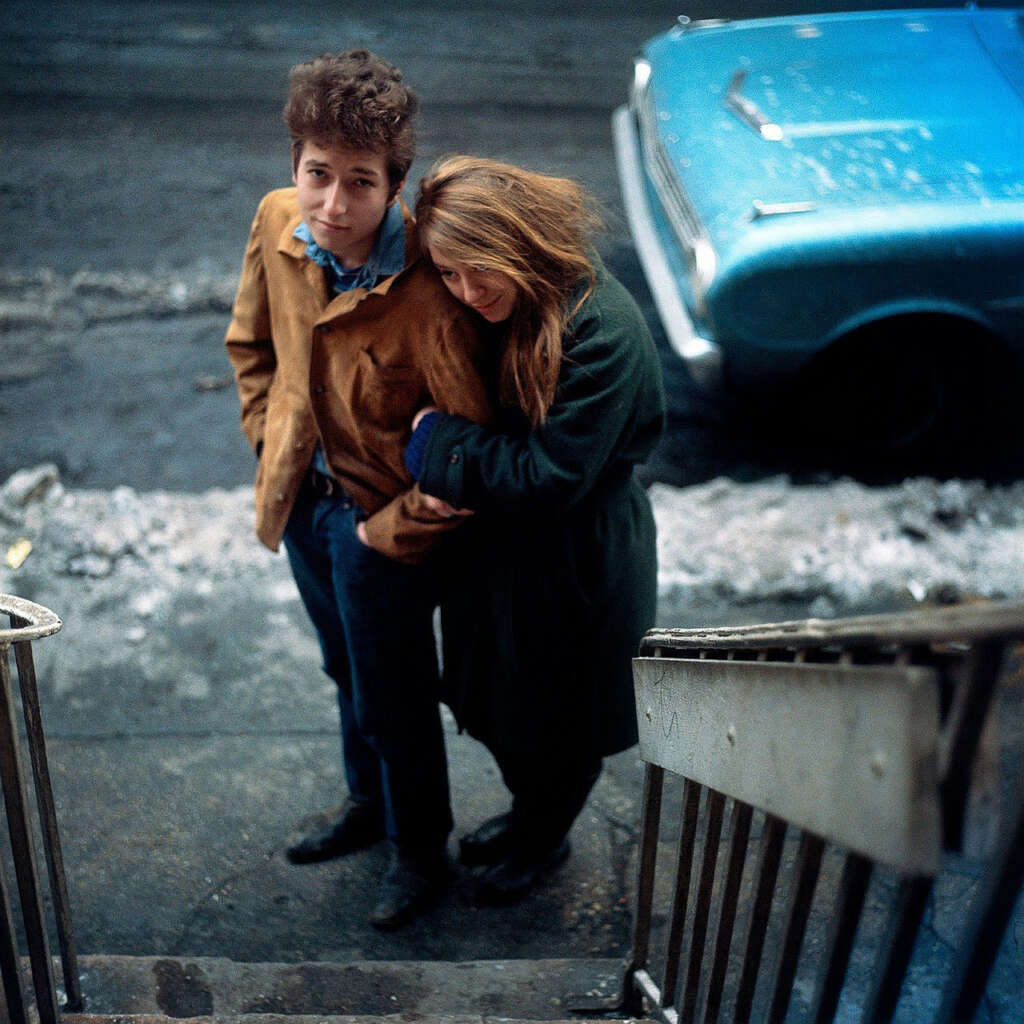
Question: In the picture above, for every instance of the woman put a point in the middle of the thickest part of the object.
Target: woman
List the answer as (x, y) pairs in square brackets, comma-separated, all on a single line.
[(552, 580)]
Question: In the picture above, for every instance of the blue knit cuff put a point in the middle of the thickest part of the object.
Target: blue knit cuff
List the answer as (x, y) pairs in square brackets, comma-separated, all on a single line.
[(417, 446)]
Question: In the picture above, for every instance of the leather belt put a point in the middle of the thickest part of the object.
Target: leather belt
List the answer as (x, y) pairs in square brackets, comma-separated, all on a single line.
[(325, 486)]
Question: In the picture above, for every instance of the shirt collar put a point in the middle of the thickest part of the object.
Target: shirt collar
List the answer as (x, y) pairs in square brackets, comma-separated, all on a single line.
[(386, 258)]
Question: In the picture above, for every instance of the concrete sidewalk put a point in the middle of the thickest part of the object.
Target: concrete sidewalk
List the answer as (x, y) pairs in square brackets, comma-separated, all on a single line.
[(188, 746), (175, 846)]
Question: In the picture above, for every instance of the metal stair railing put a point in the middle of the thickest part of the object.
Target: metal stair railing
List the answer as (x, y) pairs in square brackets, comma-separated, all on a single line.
[(30, 622), (857, 735)]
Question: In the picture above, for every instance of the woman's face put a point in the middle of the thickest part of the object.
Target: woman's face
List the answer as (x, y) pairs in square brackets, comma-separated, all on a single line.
[(491, 293)]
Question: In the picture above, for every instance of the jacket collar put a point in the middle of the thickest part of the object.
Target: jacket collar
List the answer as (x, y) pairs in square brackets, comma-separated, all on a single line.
[(344, 302), (294, 247)]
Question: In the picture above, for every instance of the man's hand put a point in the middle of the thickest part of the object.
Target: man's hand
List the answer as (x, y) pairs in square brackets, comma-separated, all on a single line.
[(443, 509)]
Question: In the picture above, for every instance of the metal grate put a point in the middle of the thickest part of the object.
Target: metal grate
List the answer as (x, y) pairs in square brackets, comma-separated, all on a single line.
[(850, 743), (676, 204)]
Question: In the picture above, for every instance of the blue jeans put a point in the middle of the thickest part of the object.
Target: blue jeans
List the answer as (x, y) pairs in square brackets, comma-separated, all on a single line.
[(373, 617)]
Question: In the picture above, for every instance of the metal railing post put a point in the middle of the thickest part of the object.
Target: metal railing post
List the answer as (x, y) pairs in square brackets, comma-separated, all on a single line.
[(48, 819), (13, 999), (868, 737), (26, 869), (30, 622)]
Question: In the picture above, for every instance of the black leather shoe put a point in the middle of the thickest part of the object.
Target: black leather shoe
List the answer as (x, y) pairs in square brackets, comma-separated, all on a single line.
[(355, 827), (409, 886), (490, 843), (515, 876)]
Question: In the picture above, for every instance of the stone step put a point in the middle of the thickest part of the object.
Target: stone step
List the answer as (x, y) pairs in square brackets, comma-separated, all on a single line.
[(280, 1018), (147, 990)]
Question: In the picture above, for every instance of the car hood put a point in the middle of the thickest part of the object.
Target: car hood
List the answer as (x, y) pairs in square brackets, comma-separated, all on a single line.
[(831, 113)]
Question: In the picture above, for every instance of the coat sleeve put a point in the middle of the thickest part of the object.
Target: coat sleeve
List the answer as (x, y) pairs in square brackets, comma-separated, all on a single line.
[(605, 377), (248, 340), (405, 529)]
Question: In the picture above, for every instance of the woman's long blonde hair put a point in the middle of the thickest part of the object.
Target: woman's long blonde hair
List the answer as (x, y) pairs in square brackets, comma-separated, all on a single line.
[(535, 229)]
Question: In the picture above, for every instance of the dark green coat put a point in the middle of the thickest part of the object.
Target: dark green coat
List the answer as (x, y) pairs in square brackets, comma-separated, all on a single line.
[(551, 584)]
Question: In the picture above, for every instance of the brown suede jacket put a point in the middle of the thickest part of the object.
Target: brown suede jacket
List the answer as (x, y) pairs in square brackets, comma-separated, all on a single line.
[(350, 371)]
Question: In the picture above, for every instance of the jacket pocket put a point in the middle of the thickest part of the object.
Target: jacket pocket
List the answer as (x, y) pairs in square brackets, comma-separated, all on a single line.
[(387, 395)]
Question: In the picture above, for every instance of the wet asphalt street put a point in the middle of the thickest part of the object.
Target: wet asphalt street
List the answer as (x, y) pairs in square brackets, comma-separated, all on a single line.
[(137, 140)]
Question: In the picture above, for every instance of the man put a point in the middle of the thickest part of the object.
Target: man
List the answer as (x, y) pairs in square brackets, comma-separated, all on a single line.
[(339, 332)]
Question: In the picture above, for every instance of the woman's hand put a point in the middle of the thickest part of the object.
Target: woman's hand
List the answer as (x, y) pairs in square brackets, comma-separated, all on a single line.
[(443, 509), (423, 412), (437, 505)]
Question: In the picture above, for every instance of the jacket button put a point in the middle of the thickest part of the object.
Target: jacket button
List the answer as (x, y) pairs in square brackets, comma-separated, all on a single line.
[(299, 445), (281, 497), (454, 458), (318, 389)]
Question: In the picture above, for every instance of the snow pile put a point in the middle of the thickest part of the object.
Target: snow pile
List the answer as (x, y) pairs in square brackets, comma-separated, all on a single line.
[(838, 547), (821, 550)]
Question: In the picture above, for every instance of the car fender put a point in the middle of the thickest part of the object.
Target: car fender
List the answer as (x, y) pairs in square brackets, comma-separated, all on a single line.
[(924, 306)]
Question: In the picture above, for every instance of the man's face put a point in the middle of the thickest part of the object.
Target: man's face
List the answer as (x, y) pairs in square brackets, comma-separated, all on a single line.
[(343, 196)]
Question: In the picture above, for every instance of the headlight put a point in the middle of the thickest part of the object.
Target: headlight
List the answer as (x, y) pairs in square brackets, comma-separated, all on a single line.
[(703, 265), (641, 76)]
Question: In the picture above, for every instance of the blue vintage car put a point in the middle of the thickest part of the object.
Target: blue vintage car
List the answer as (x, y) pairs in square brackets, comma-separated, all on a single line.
[(832, 206)]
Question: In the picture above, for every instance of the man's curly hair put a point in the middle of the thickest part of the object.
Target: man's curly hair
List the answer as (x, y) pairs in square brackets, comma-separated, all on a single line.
[(355, 100)]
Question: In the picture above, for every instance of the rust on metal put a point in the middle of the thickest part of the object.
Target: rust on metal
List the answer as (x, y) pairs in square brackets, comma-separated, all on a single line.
[(963, 623)]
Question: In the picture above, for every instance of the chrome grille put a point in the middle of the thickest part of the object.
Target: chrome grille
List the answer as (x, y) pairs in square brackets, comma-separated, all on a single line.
[(678, 208)]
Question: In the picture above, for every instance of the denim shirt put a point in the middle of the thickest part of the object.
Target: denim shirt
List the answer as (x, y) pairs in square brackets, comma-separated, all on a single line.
[(386, 258)]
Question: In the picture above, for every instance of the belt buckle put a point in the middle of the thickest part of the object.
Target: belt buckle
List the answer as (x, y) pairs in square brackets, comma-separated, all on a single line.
[(320, 483)]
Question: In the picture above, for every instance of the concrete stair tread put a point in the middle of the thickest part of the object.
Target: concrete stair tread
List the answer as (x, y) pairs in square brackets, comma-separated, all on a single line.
[(278, 1018), (152, 990)]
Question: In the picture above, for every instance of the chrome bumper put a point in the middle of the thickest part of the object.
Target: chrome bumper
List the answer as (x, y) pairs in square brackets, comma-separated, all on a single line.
[(702, 356)]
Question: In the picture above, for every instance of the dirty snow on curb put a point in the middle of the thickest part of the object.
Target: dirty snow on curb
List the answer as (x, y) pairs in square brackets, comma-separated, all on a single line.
[(830, 549), (838, 547)]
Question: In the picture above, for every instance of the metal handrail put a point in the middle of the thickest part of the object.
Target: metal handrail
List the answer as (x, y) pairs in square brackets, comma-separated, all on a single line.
[(36, 621), (956, 623), (28, 622), (951, 657)]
